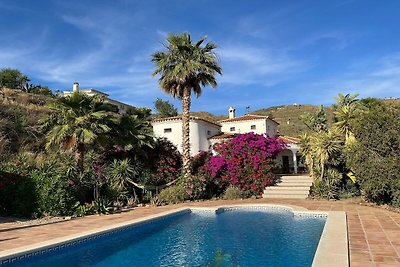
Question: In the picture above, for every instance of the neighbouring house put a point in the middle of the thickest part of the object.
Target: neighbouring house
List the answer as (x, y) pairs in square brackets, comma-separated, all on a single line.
[(122, 107), (200, 131), (204, 134), (249, 123)]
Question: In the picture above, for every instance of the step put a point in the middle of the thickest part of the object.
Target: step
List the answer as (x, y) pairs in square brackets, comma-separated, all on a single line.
[(301, 184), (290, 188), (304, 196), (295, 179), (287, 192)]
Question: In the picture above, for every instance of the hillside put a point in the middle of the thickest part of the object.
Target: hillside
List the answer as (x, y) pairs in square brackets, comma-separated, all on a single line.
[(289, 117), (20, 116), (208, 116)]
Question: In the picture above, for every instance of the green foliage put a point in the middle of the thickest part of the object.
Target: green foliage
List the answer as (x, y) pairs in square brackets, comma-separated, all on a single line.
[(78, 121), (316, 121), (12, 78), (133, 132), (173, 194), (120, 174), (233, 193), (374, 157), (142, 113), (165, 109), (29, 189), (85, 209)]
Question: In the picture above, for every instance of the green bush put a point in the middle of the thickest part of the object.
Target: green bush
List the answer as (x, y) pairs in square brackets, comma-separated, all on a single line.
[(173, 194), (233, 193), (374, 157), (27, 190)]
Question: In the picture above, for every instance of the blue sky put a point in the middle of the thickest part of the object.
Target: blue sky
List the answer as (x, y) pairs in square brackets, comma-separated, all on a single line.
[(271, 52)]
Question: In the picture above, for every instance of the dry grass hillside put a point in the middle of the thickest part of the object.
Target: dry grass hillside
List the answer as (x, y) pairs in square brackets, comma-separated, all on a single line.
[(20, 116), (208, 116), (289, 117)]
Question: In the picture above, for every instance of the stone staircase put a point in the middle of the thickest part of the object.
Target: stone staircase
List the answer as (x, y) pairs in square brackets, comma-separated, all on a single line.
[(290, 186)]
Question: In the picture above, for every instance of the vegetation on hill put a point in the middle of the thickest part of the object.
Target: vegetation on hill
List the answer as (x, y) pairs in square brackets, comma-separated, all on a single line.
[(208, 116)]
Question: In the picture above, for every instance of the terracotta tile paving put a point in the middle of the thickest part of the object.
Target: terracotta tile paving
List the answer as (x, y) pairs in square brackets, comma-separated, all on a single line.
[(374, 233)]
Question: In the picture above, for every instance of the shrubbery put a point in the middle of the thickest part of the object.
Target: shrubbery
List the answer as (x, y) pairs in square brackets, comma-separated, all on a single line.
[(233, 193), (375, 157), (27, 190), (173, 194), (245, 162)]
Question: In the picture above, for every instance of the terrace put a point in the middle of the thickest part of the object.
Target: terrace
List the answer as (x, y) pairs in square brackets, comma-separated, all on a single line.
[(374, 233)]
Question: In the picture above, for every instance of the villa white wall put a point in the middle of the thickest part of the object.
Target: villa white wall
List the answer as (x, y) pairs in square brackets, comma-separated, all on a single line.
[(200, 131), (261, 126)]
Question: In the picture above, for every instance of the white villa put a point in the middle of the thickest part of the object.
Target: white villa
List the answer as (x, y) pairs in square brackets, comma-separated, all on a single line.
[(204, 134), (122, 107), (200, 132)]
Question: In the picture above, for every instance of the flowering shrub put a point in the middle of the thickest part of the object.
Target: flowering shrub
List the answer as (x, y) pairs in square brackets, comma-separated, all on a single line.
[(246, 161), (164, 162)]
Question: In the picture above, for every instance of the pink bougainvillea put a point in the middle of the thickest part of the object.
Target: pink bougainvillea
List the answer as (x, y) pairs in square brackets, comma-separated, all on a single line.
[(246, 161)]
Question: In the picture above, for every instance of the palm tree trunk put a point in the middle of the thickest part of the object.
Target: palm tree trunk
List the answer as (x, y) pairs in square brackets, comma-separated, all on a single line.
[(80, 156), (186, 132), (322, 171)]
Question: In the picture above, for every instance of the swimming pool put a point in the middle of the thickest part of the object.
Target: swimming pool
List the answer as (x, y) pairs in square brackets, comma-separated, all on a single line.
[(238, 236)]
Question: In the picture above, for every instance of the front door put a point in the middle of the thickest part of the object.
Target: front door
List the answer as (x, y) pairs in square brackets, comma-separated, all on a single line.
[(285, 164)]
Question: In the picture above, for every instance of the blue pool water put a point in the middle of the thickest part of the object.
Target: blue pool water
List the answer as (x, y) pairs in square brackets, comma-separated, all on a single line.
[(230, 238)]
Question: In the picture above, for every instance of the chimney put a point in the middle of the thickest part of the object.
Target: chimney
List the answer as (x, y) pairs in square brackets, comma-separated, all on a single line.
[(75, 87), (232, 113)]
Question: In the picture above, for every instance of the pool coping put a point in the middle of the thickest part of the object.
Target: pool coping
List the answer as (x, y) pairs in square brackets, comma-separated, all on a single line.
[(332, 248)]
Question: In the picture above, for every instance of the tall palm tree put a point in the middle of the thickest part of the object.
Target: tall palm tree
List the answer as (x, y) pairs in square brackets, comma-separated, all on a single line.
[(185, 67), (77, 122)]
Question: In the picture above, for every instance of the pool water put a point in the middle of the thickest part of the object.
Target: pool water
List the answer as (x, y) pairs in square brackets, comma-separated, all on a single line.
[(229, 238)]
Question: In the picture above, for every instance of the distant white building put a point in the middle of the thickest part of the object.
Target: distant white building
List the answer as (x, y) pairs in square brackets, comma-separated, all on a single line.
[(249, 123), (204, 134), (122, 107), (200, 132)]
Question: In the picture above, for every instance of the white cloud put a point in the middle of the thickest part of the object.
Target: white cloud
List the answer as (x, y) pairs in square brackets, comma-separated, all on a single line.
[(244, 64)]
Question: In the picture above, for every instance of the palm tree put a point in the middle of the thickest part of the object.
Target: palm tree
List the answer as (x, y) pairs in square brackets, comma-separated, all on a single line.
[(78, 121), (343, 100), (326, 146), (307, 152), (345, 111), (186, 67)]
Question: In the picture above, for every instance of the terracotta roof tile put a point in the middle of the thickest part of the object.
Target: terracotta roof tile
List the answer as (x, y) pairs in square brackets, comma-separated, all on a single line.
[(289, 139), (176, 118), (248, 117), (222, 136)]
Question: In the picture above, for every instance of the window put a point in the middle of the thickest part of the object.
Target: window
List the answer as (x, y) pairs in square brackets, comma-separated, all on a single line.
[(167, 130), (253, 127), (232, 129), (208, 132)]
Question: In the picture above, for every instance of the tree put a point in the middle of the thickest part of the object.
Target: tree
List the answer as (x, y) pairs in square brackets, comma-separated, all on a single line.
[(345, 111), (77, 122), (165, 109), (316, 121), (12, 78), (375, 158), (185, 67), (141, 112), (327, 145)]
